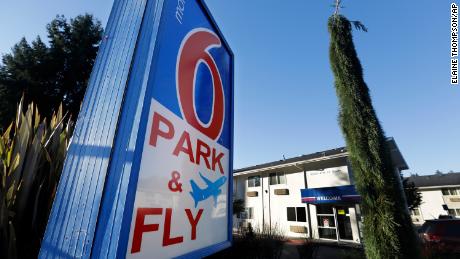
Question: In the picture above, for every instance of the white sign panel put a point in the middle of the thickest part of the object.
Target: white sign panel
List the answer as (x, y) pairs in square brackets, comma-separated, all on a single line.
[(329, 177)]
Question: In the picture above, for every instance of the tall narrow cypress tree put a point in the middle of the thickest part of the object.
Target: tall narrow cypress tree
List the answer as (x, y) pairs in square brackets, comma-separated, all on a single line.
[(388, 231)]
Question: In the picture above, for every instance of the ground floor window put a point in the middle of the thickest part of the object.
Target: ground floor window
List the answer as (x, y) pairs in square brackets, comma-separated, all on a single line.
[(328, 233), (454, 212), (248, 213), (415, 212), (297, 214)]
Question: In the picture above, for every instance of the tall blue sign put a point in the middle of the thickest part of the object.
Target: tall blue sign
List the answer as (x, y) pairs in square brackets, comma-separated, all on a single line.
[(165, 190)]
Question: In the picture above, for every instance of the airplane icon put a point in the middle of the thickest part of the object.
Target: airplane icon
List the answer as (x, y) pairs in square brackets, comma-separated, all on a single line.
[(213, 189)]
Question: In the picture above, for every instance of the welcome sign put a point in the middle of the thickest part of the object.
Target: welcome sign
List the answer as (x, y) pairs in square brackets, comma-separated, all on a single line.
[(334, 195)]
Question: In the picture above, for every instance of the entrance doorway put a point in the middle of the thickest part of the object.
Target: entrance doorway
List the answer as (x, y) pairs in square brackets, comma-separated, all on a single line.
[(334, 222), (344, 223)]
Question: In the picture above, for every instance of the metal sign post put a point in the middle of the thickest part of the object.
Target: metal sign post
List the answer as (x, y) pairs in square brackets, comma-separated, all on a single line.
[(154, 177)]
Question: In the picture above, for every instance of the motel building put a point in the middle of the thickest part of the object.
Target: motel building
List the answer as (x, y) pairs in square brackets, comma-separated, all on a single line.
[(307, 196), (440, 196)]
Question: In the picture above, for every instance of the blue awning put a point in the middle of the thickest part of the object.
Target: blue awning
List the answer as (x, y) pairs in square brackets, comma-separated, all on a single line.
[(338, 194)]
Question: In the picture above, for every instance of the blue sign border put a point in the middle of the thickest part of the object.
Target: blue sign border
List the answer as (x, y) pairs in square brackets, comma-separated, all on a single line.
[(85, 180)]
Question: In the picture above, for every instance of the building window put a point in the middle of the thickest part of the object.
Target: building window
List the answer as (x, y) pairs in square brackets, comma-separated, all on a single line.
[(248, 213), (291, 214), (277, 178), (324, 209), (254, 181), (297, 214), (454, 212), (450, 191), (415, 212), (301, 214)]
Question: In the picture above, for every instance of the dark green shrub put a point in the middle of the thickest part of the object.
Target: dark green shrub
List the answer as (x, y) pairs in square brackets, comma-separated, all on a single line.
[(388, 231)]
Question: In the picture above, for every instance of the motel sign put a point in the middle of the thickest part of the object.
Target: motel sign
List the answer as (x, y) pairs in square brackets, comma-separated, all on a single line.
[(149, 171)]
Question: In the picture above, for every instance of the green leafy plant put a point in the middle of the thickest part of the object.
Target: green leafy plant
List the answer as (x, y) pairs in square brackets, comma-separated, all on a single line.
[(388, 230), (32, 153), (413, 196)]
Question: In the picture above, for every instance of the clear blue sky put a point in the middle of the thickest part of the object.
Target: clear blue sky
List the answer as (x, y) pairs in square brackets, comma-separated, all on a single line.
[(285, 102)]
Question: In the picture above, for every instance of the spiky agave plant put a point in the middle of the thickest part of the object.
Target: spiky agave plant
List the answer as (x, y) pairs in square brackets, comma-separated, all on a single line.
[(388, 230), (32, 153)]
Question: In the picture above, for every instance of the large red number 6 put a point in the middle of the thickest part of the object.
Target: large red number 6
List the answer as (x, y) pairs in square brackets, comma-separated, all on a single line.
[(195, 49)]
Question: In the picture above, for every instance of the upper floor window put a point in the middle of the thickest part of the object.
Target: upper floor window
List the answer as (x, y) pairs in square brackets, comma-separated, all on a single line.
[(450, 191), (454, 212), (415, 212), (277, 178), (247, 213), (254, 181)]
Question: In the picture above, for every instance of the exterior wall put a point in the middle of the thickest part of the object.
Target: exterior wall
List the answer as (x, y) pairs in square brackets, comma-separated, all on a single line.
[(279, 204), (314, 221), (322, 169), (452, 201), (331, 177), (268, 205), (354, 218), (432, 201), (249, 202), (256, 203), (270, 209), (417, 217), (431, 206)]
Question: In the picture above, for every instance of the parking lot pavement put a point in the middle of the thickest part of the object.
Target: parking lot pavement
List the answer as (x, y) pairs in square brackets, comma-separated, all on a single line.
[(298, 248), (290, 251), (327, 252)]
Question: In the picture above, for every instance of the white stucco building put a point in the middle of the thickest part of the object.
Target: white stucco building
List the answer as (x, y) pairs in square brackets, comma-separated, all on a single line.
[(440, 196), (307, 196)]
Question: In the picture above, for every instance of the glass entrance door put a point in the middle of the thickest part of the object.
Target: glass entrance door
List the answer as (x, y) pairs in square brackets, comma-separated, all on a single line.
[(343, 223), (334, 222)]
